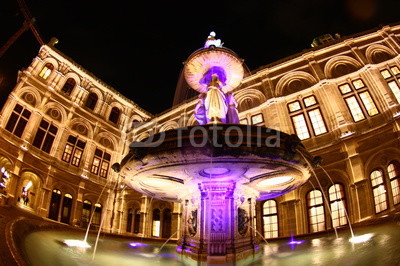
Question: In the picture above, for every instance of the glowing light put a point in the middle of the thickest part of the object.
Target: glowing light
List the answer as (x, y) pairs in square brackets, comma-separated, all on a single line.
[(295, 242), (23, 147), (346, 134), (215, 171), (137, 244), (76, 243), (274, 181), (361, 238), (28, 186)]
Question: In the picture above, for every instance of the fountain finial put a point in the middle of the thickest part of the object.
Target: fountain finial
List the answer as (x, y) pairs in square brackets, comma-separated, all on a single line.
[(211, 41)]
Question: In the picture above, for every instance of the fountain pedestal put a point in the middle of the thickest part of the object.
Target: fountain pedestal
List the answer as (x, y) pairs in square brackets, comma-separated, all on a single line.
[(224, 233)]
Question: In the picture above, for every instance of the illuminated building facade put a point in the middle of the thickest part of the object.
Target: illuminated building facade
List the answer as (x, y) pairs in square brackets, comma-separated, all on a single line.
[(62, 129)]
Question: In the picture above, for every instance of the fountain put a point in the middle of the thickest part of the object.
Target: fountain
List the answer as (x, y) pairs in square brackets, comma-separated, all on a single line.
[(219, 168)]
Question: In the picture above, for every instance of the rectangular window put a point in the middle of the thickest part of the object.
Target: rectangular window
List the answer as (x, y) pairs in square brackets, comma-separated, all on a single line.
[(18, 119), (101, 163), (317, 219), (358, 100), (45, 136), (73, 150), (395, 89), (270, 226), (257, 119), (317, 122), (392, 78), (368, 103), (355, 109), (300, 126), (306, 115)]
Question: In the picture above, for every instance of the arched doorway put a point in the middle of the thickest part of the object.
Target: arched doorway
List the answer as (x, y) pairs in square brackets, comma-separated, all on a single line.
[(86, 212), (129, 223), (133, 222), (55, 203), (166, 223), (66, 208), (136, 227), (156, 226), (97, 214), (30, 187)]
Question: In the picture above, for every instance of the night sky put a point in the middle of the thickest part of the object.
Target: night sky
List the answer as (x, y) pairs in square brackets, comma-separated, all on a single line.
[(138, 47)]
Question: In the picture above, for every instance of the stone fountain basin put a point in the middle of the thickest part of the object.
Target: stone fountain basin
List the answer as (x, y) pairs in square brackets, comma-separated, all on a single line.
[(261, 161)]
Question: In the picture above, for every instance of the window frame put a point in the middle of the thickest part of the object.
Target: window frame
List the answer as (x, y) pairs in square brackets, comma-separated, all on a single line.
[(376, 187), (309, 212), (394, 77), (356, 94), (18, 119), (69, 86), (44, 142), (304, 110), (273, 214), (394, 179), (46, 71), (338, 201), (75, 151), (100, 169)]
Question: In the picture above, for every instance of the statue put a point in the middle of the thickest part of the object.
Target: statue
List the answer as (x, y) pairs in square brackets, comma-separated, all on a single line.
[(211, 41), (215, 106), (215, 102)]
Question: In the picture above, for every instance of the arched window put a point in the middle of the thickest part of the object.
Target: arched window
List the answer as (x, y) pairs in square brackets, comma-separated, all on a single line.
[(156, 223), (69, 85), (86, 212), (270, 219), (316, 212), (55, 203), (114, 115), (337, 204), (97, 214), (66, 208), (91, 100), (46, 71), (379, 190), (394, 175)]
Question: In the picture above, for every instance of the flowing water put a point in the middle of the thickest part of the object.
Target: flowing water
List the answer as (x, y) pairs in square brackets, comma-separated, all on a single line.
[(380, 247)]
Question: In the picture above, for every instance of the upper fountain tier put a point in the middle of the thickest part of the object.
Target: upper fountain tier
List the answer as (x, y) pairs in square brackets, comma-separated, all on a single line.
[(262, 162), (213, 59)]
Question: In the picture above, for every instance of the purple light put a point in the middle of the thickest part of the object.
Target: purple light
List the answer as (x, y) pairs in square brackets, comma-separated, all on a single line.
[(293, 242), (137, 244), (207, 77)]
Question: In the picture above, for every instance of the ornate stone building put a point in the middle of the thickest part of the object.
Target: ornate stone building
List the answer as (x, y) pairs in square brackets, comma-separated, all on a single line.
[(62, 129)]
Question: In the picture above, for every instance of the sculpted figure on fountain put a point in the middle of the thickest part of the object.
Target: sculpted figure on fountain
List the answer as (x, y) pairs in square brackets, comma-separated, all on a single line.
[(215, 106)]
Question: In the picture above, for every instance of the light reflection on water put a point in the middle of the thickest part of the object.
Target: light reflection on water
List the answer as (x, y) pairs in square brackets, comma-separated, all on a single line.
[(46, 248)]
